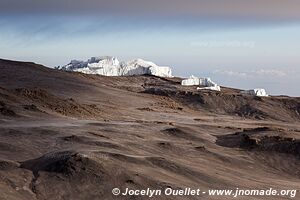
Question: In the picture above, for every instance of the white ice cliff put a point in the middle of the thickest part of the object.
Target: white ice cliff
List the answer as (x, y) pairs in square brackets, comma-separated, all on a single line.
[(110, 66), (256, 92), (206, 82)]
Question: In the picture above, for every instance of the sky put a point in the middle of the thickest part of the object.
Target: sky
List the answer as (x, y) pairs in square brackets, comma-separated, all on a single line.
[(238, 43)]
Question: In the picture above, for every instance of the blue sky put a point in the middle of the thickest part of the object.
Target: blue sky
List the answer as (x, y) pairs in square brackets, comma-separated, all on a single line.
[(237, 43)]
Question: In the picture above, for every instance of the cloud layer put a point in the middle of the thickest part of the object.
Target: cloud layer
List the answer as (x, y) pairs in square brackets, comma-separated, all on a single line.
[(254, 73)]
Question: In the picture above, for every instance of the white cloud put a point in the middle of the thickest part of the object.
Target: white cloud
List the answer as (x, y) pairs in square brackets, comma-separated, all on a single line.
[(253, 73), (270, 72), (230, 73)]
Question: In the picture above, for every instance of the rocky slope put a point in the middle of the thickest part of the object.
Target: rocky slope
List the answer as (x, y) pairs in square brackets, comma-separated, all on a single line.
[(67, 135)]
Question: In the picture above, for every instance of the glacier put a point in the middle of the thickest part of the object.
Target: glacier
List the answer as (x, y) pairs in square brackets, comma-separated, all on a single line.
[(206, 82), (111, 66), (260, 92)]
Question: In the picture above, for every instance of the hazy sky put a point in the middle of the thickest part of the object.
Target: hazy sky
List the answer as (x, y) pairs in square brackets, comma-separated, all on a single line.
[(239, 43)]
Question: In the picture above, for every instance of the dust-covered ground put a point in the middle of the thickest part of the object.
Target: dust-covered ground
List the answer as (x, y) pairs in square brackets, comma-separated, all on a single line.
[(74, 136)]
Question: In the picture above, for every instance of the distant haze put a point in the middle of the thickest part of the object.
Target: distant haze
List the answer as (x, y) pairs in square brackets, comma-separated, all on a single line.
[(239, 43)]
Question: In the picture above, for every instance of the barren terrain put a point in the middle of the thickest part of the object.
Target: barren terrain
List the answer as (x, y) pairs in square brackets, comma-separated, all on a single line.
[(67, 135)]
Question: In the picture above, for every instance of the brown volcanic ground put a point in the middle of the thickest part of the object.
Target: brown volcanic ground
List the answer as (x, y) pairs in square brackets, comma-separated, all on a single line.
[(74, 136)]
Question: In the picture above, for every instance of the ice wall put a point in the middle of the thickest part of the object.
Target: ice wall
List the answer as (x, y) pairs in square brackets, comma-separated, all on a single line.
[(206, 82), (256, 92), (110, 66)]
